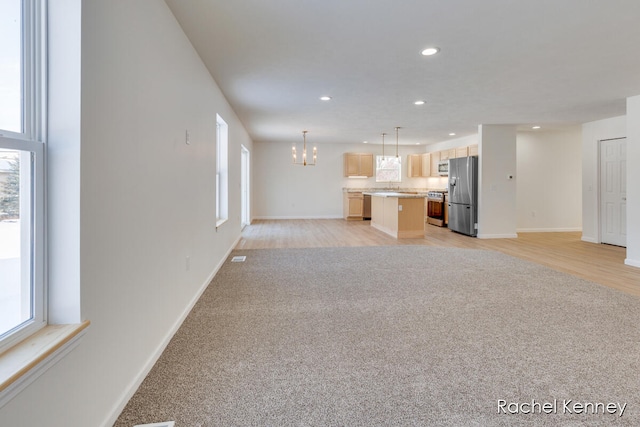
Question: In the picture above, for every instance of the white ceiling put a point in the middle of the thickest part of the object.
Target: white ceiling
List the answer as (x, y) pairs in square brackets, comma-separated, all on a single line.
[(546, 62)]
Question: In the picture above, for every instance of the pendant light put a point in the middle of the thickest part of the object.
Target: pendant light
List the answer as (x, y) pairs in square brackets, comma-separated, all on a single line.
[(383, 134), (397, 127), (304, 152)]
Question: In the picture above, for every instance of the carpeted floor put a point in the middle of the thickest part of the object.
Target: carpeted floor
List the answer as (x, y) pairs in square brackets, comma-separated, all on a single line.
[(397, 336)]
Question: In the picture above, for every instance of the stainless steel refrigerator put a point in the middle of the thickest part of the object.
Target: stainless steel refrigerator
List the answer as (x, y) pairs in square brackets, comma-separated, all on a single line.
[(463, 195)]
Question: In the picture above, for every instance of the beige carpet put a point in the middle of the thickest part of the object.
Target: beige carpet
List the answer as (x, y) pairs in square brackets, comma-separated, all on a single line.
[(397, 336)]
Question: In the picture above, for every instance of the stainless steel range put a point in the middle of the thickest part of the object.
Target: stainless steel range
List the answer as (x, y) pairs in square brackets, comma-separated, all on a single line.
[(436, 204)]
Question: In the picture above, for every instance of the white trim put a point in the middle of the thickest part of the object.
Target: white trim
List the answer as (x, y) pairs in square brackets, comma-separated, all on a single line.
[(300, 217), (29, 377), (131, 389), (497, 236), (632, 262), (589, 239), (547, 230)]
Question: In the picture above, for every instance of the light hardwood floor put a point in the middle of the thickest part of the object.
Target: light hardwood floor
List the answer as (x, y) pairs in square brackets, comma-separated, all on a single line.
[(603, 264)]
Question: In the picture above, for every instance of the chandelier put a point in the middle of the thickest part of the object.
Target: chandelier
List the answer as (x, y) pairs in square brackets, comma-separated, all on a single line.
[(304, 152)]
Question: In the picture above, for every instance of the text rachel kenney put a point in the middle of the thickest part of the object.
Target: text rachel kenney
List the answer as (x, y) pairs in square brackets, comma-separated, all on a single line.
[(565, 406)]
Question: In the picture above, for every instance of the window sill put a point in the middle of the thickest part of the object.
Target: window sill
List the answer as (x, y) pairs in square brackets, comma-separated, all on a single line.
[(220, 222), (23, 363)]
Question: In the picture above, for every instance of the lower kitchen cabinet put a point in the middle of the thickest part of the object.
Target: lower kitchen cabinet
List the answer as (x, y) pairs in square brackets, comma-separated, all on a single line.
[(400, 217), (353, 205)]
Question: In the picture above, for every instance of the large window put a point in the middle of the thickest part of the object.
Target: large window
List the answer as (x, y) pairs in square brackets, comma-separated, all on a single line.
[(388, 169), (22, 284), (222, 171)]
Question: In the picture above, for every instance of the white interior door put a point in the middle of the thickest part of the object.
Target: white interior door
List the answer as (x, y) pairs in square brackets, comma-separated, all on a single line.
[(613, 191), (244, 187)]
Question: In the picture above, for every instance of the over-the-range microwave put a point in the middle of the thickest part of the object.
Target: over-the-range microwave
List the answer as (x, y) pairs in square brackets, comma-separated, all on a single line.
[(443, 168)]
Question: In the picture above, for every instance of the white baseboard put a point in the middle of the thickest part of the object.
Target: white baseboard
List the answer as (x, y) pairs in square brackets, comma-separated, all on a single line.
[(135, 383), (301, 217), (547, 230), (589, 239), (497, 236), (632, 262)]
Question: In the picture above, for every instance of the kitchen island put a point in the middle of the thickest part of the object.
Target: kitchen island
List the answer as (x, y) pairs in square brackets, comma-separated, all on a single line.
[(400, 215)]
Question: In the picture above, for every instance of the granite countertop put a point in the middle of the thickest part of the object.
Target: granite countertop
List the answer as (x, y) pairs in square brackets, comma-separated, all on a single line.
[(395, 194), (403, 191)]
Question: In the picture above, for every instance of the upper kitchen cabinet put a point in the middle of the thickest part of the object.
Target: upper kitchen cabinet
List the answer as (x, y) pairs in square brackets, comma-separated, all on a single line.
[(414, 165), (426, 164), (358, 164), (473, 150), (419, 165), (435, 159), (448, 154), (462, 152)]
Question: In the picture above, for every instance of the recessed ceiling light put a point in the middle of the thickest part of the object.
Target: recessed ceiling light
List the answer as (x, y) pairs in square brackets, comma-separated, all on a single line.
[(417, 143), (535, 127), (430, 51), (325, 98), (452, 134), (365, 142), (419, 102)]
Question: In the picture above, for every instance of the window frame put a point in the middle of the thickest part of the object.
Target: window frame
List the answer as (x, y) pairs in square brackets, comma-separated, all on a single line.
[(31, 140), (378, 169)]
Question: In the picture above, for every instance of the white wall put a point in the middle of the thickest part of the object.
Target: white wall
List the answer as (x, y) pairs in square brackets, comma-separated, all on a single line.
[(496, 192), (146, 203), (549, 180), (593, 132), (633, 178), (285, 190)]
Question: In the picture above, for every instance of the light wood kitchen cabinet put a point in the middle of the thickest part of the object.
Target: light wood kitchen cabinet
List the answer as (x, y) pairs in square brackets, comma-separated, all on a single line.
[(426, 164), (419, 165), (462, 152), (400, 217), (353, 205), (435, 159), (448, 154), (414, 165), (473, 150), (358, 164)]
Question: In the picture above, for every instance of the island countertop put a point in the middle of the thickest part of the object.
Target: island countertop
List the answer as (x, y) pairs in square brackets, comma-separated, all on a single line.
[(395, 194)]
